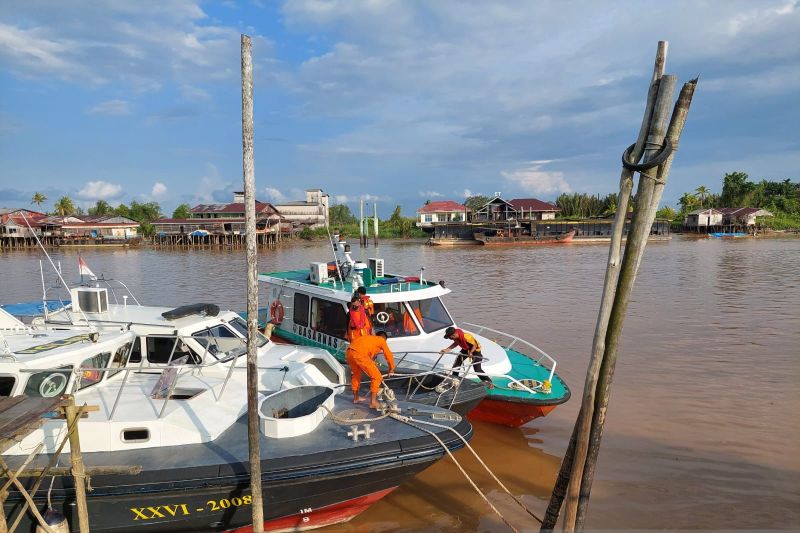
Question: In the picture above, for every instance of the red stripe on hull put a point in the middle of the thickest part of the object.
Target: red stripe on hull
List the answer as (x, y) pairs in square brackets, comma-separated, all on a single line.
[(325, 516), (505, 413)]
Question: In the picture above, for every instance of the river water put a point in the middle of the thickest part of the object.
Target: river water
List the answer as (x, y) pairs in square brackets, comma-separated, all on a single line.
[(703, 429)]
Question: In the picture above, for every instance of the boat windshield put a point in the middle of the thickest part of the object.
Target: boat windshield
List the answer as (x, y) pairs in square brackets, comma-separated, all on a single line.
[(223, 343), (402, 319), (431, 313)]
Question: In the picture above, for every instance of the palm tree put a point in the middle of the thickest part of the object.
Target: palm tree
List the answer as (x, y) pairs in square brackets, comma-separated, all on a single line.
[(702, 192), (38, 198), (64, 206), (687, 201)]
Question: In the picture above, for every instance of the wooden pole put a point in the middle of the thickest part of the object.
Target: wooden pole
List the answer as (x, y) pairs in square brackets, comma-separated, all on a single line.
[(578, 445), (375, 223), (78, 472), (361, 238), (651, 186), (248, 171)]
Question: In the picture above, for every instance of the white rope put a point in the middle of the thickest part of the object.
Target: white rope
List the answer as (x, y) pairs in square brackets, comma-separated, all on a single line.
[(466, 444), (410, 421)]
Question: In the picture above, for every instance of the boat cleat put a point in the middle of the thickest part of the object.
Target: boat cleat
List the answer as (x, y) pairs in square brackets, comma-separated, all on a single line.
[(355, 433)]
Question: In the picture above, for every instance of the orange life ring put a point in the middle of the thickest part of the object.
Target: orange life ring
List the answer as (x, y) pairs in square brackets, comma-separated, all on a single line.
[(276, 312)]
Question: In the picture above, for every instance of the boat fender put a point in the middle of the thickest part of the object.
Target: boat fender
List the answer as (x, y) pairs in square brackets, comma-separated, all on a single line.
[(276, 312), (441, 282), (56, 522)]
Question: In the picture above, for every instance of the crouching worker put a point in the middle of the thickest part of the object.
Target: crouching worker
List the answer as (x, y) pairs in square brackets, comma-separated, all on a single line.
[(361, 357), (469, 348)]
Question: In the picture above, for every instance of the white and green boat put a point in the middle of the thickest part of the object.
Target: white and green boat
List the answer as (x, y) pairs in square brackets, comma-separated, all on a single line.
[(309, 307)]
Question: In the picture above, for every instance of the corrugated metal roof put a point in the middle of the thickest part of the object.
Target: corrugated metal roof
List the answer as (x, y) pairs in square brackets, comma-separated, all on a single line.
[(532, 204), (444, 205)]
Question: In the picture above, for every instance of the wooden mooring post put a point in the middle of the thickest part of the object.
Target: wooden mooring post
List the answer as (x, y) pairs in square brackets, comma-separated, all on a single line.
[(248, 171), (656, 146)]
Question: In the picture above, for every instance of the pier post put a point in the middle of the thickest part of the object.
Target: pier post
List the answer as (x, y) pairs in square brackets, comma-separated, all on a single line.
[(248, 171), (78, 471)]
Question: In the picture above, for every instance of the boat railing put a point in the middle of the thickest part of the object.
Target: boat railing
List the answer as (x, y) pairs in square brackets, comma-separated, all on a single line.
[(436, 366), (512, 340), (127, 368)]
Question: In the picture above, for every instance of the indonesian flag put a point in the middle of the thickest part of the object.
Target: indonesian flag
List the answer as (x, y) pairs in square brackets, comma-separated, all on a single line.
[(84, 270)]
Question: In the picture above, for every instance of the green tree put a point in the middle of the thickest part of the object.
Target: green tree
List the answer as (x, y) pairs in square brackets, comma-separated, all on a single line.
[(182, 211), (122, 210), (666, 212), (64, 206), (340, 215), (702, 193), (736, 189), (146, 229), (687, 202), (38, 199), (145, 212), (476, 202), (101, 208)]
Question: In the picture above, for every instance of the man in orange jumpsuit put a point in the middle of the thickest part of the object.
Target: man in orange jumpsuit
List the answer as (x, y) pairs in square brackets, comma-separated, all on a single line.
[(358, 323), (366, 304), (361, 357)]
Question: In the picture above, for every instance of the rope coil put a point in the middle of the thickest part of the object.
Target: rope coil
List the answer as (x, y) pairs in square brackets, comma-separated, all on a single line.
[(659, 158)]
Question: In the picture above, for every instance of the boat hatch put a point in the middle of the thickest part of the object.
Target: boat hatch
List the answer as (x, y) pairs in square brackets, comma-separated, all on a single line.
[(296, 411)]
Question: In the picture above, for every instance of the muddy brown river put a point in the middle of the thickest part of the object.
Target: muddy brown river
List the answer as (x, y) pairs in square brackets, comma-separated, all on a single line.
[(703, 429)]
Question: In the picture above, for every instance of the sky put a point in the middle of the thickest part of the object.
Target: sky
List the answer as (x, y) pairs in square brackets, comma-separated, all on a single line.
[(393, 102)]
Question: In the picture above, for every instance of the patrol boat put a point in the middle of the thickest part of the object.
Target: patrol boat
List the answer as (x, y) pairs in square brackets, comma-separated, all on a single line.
[(171, 409), (410, 310)]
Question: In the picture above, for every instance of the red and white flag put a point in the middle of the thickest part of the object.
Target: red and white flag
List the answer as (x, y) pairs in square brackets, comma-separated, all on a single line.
[(84, 270)]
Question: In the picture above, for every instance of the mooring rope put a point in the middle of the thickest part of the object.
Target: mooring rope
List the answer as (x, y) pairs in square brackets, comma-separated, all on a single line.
[(410, 421), (467, 445)]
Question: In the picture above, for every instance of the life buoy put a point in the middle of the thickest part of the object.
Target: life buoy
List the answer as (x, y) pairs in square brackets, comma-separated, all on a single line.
[(276, 312)]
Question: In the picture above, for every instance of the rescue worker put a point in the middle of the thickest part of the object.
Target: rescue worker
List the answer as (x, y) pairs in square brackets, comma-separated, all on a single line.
[(357, 322), (361, 358), (368, 306), (470, 347), (408, 322)]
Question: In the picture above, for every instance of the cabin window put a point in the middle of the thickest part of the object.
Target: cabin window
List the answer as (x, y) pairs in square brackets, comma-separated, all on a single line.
[(328, 317), (6, 385), (241, 326), (135, 435), (90, 376), (434, 315), (160, 350), (48, 384), (119, 359), (300, 312), (136, 354), (220, 342), (399, 322)]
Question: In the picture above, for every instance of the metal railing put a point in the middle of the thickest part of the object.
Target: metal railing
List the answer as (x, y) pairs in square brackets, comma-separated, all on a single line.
[(436, 365), (514, 340)]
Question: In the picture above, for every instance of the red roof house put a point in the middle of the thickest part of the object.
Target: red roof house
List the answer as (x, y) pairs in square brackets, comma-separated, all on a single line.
[(442, 211)]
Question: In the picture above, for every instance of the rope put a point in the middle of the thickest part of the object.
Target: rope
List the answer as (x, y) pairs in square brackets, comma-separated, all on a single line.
[(409, 421), (349, 422), (466, 444)]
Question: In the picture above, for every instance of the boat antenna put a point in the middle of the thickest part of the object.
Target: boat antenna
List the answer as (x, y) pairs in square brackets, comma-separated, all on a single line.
[(335, 259), (47, 255), (44, 290)]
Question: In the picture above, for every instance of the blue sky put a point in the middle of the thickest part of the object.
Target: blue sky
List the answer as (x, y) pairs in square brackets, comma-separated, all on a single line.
[(391, 101)]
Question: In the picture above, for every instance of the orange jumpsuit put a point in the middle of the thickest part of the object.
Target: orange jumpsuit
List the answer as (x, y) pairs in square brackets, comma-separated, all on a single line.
[(408, 323), (361, 357), (369, 309), (359, 324)]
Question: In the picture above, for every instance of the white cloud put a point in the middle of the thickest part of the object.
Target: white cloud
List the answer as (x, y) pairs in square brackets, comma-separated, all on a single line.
[(430, 194), (113, 108), (159, 189), (274, 195), (209, 185), (99, 190), (467, 193), (532, 179), (341, 198), (140, 45)]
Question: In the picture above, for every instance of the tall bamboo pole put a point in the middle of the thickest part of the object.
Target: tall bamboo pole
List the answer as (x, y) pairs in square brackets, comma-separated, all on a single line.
[(78, 470), (248, 171), (577, 446), (375, 222), (652, 185)]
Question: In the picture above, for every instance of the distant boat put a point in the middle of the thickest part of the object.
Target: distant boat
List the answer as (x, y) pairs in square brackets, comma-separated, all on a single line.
[(514, 236), (728, 235)]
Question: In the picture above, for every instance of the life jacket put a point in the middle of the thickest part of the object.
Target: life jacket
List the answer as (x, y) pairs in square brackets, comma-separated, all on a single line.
[(367, 305), (358, 319), (466, 340)]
